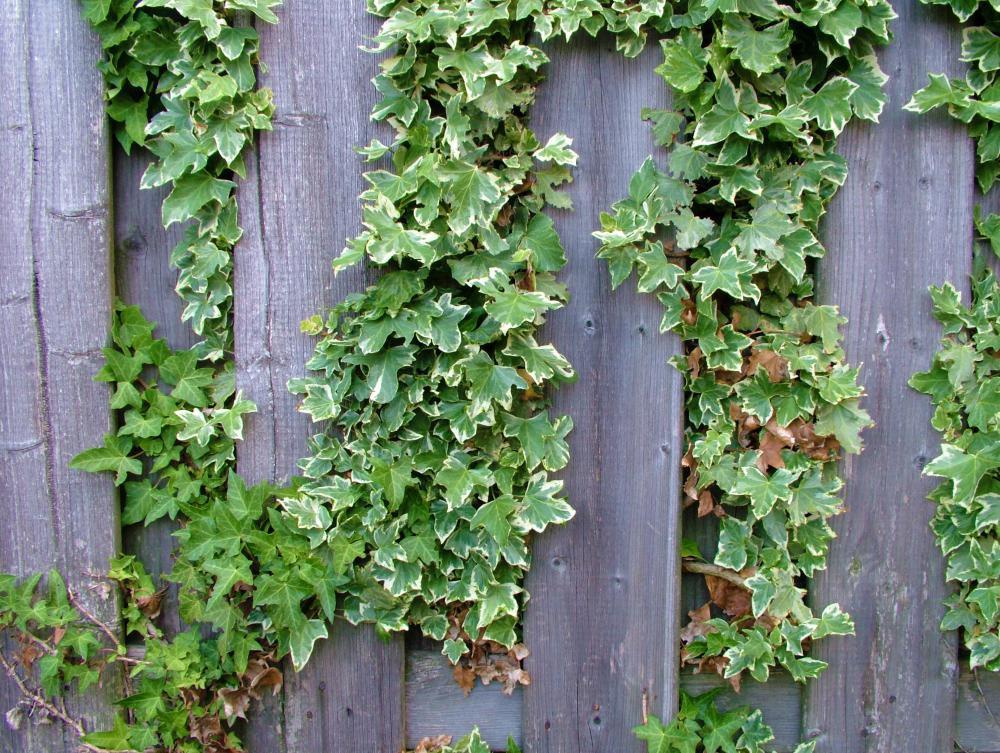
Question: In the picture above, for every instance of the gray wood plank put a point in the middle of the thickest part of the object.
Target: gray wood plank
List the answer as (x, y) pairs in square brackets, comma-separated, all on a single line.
[(55, 295), (901, 223), (603, 618), (298, 208), (978, 712), (143, 277), (436, 706)]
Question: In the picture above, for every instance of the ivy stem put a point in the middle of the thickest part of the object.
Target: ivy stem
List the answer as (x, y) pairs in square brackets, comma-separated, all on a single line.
[(37, 699), (707, 568), (92, 618)]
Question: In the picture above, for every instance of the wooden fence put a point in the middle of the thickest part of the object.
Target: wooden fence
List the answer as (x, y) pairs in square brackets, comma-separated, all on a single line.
[(607, 601)]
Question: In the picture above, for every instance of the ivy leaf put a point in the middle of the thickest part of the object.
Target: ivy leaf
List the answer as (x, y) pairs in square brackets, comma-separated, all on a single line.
[(394, 477), (557, 150), (764, 491), (982, 47), (656, 270), (513, 307), (459, 478), (869, 98), (761, 51), (383, 371), (731, 275), (845, 421), (724, 119), (539, 507), (684, 62), (474, 195), (260, 8), (964, 468), (673, 738), (114, 456), (494, 517), (489, 383), (541, 244), (831, 105), (191, 193)]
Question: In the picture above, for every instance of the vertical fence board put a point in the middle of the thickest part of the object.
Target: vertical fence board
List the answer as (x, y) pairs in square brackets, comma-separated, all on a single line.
[(55, 295), (144, 278), (349, 699), (603, 619), (902, 222)]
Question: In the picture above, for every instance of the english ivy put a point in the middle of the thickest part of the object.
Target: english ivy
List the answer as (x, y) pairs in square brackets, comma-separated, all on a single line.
[(701, 727), (181, 82), (964, 379), (725, 235), (964, 385)]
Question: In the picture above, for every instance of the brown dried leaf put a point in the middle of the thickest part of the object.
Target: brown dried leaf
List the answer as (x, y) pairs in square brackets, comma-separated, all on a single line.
[(465, 677), (706, 504), (694, 362), (204, 727), (235, 702), (774, 364), (151, 605), (431, 744), (520, 652), (698, 626), (732, 599)]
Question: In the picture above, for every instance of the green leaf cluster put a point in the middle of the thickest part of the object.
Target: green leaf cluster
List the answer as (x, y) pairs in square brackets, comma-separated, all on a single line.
[(181, 82), (964, 386), (725, 234), (432, 468), (964, 379), (702, 727), (57, 644)]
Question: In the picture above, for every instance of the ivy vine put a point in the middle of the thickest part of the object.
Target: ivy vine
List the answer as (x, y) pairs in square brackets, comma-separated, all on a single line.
[(726, 237), (430, 471), (964, 379)]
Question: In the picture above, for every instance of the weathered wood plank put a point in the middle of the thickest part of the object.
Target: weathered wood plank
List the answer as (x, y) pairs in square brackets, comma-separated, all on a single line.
[(55, 296), (436, 706), (602, 623), (144, 277), (901, 223), (350, 697)]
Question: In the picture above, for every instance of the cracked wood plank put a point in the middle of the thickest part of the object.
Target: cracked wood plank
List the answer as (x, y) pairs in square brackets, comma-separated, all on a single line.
[(903, 221), (55, 288), (299, 206), (144, 277), (602, 622)]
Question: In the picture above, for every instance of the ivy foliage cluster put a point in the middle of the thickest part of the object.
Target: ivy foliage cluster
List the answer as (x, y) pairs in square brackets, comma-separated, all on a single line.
[(725, 235), (964, 379), (431, 469), (701, 727), (183, 695), (181, 81), (964, 385)]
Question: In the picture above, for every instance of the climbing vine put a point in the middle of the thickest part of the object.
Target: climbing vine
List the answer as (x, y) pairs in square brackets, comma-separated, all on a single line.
[(964, 379), (701, 727), (725, 235), (964, 385), (430, 469)]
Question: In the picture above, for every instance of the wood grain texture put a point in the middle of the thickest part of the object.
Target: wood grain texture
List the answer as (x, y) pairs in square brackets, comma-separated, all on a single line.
[(144, 277), (902, 222), (603, 618), (304, 187), (436, 706), (55, 296)]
